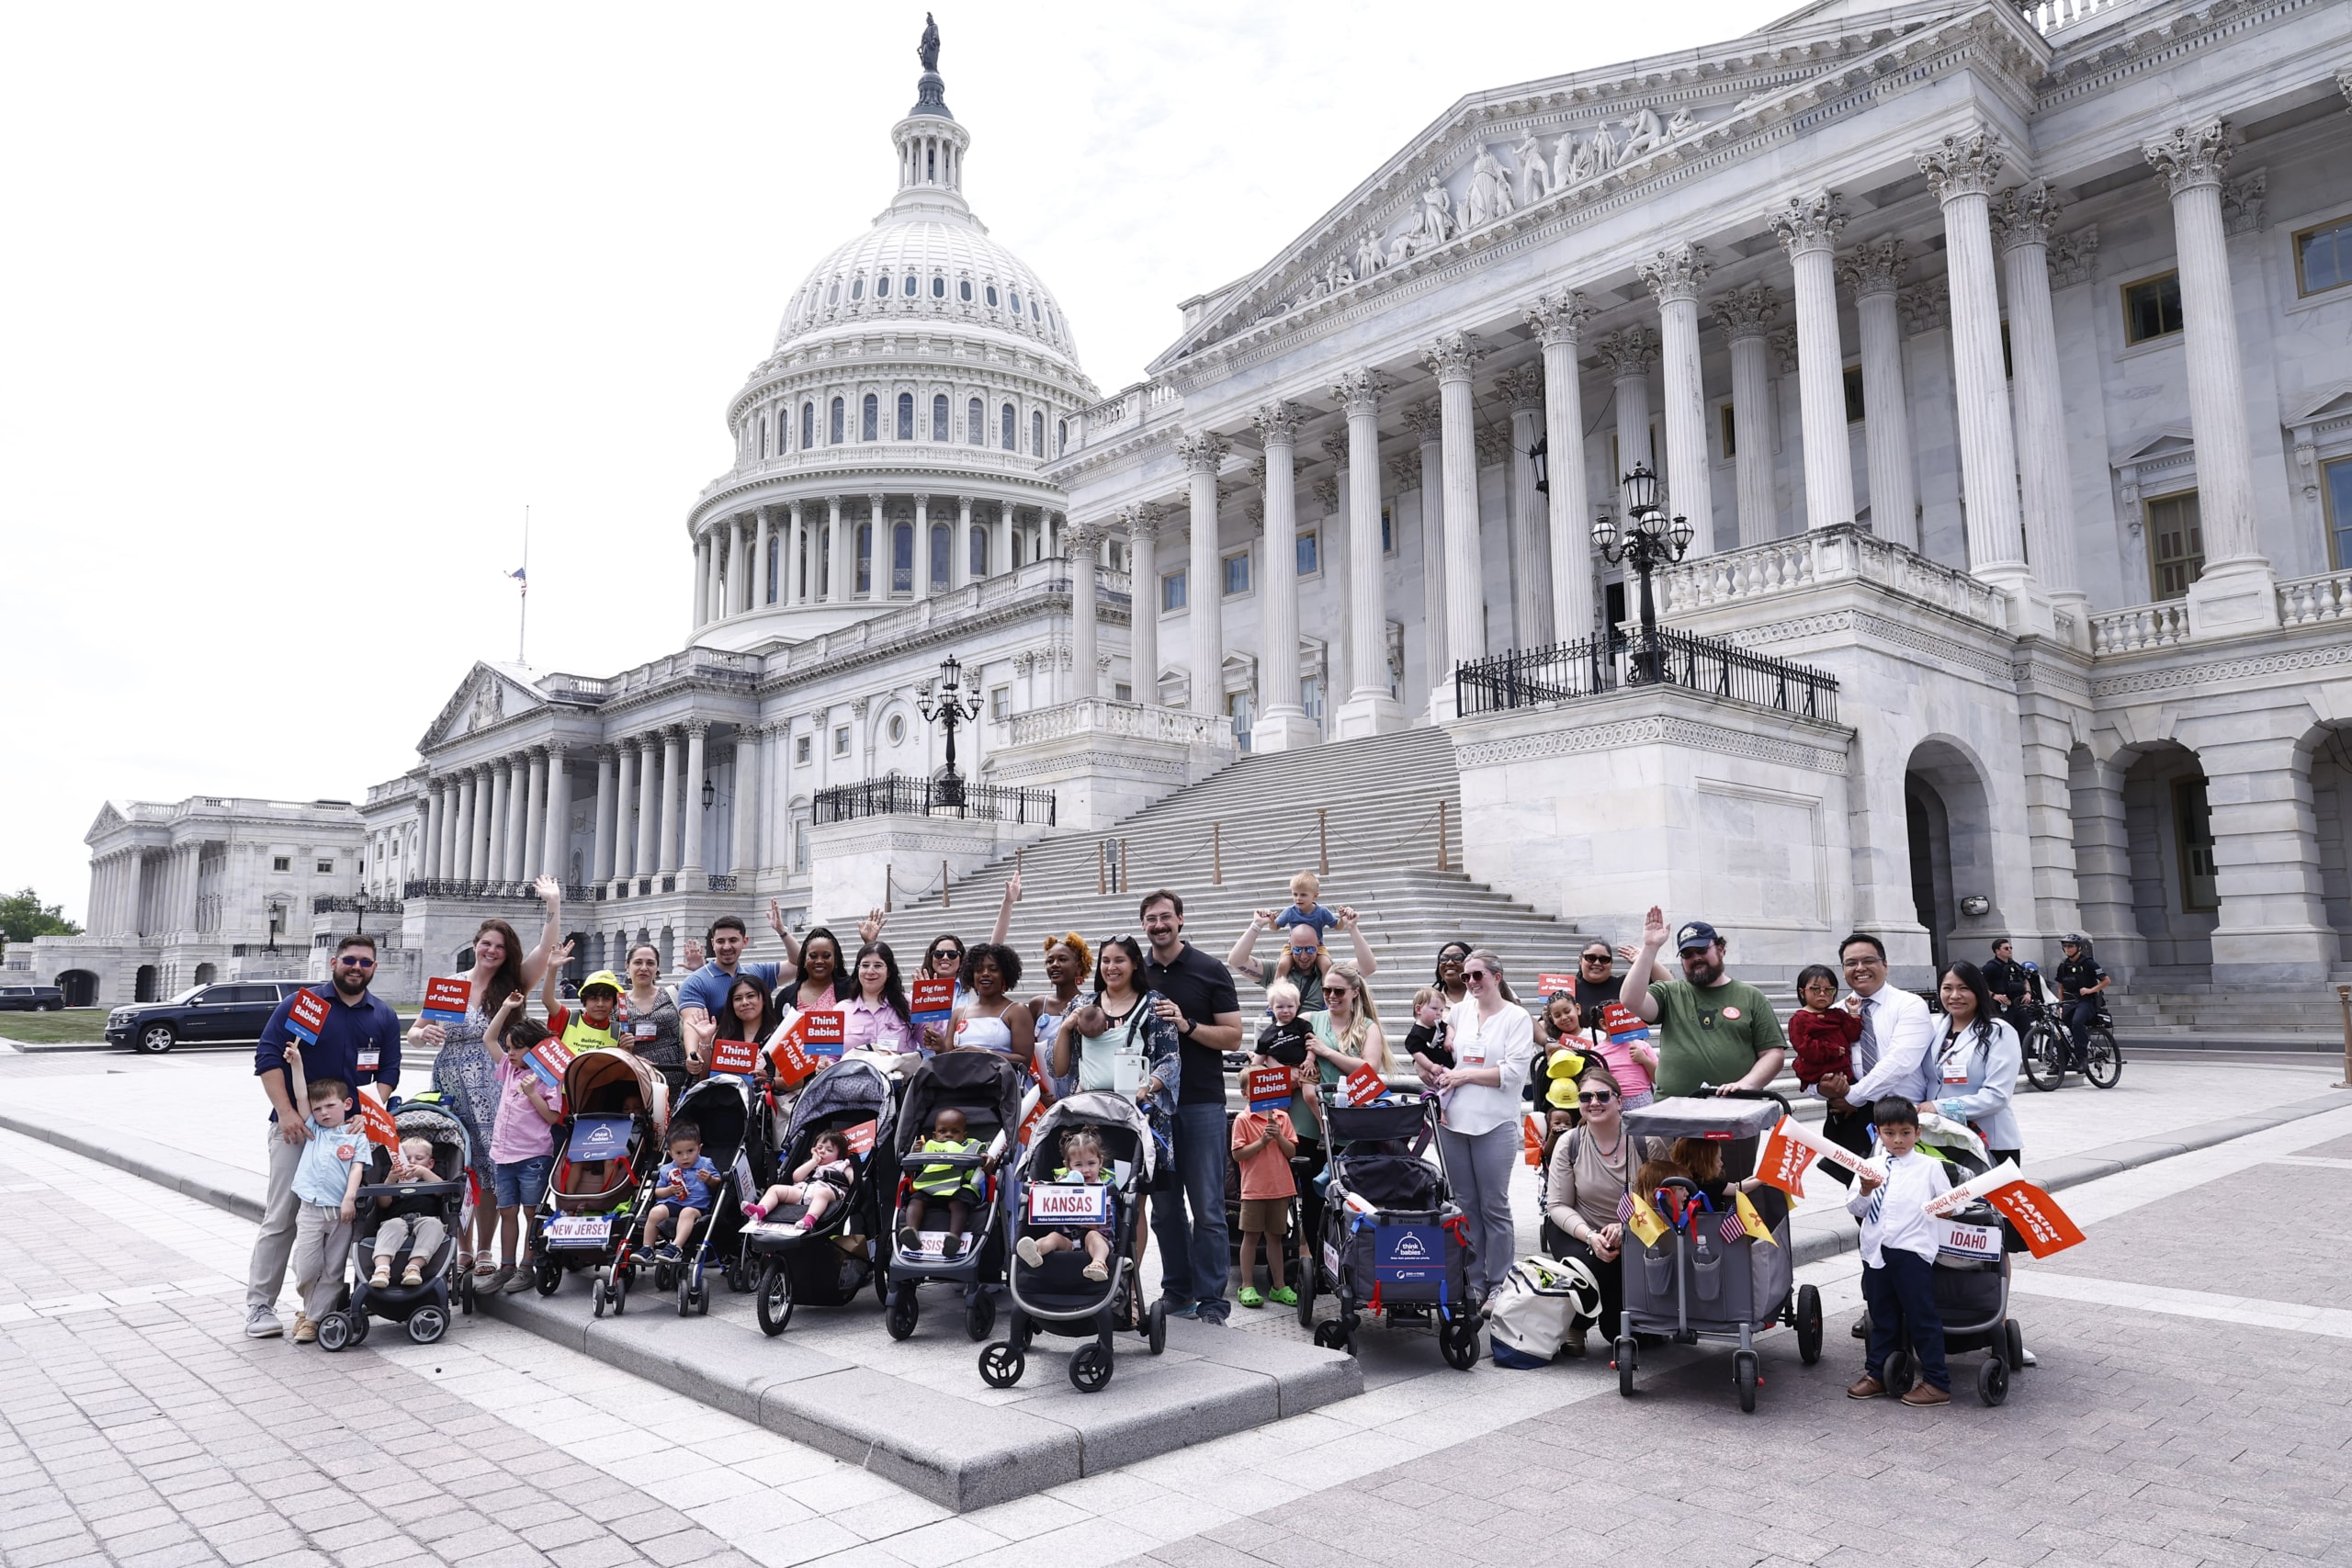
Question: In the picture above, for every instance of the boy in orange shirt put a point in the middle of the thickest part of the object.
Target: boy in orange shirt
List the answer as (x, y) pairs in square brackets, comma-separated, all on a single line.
[(1263, 1142)]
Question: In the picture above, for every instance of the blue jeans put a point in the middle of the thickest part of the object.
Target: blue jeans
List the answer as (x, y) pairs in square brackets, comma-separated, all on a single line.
[(2081, 1013), (1902, 1296), (1193, 1265), (521, 1183)]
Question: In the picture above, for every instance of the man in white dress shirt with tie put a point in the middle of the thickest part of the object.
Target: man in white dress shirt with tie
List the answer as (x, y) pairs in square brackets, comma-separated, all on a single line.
[(1891, 1059)]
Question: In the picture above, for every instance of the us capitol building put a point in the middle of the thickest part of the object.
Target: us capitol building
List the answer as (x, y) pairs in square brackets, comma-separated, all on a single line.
[(1991, 358)]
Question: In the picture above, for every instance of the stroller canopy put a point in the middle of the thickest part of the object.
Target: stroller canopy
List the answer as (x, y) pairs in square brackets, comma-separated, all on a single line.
[(1688, 1117), (451, 1153), (843, 1094), (601, 1079), (984, 1085), (1114, 1113), (720, 1108)]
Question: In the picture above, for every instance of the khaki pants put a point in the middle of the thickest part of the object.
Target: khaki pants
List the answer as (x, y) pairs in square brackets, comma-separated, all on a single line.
[(265, 1276), (321, 1240), (422, 1234)]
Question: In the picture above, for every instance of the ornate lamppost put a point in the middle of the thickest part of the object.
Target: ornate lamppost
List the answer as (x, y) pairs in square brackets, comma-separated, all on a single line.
[(946, 703), (1651, 540)]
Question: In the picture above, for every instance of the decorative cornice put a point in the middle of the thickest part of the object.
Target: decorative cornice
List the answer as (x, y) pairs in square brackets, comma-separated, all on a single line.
[(1629, 353), (1451, 357), (2024, 215), (2073, 257), (1874, 266), (1142, 521), (2242, 201), (2189, 156), (1809, 222), (1650, 730), (1204, 453), (1747, 311), (1676, 273), (1522, 387), (1359, 391), (1963, 165), (1276, 423), (1559, 318), (2201, 677), (1925, 307)]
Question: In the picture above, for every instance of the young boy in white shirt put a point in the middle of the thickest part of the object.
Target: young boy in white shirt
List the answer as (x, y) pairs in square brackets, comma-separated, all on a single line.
[(1899, 1255)]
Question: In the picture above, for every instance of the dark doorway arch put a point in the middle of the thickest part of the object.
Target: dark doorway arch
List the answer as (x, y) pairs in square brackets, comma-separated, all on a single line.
[(81, 987), (143, 985)]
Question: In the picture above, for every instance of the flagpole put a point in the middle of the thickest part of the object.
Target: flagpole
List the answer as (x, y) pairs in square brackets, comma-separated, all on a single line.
[(523, 607)]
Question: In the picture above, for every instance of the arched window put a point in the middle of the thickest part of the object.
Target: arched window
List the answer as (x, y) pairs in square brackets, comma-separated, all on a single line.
[(1006, 419), (909, 288), (1037, 435), (763, 436), (902, 558), (870, 426), (905, 416), (943, 539), (1034, 314), (938, 287), (991, 296), (807, 425), (939, 417), (775, 563), (833, 295), (838, 434), (857, 289), (1062, 436), (978, 551), (964, 289), (977, 424), (1016, 301), (865, 558), (881, 286)]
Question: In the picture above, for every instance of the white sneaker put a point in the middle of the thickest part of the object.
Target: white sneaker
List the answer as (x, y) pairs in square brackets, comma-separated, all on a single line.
[(1030, 1252), (261, 1322)]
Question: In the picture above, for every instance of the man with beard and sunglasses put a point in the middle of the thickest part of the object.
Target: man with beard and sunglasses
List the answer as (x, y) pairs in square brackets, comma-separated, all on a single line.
[(1196, 998), (1712, 1029)]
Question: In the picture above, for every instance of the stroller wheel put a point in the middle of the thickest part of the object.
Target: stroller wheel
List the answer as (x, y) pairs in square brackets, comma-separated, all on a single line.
[(979, 1314), (334, 1331), (596, 1298), (904, 1310), (1902, 1372), (551, 1278), (466, 1293), (1458, 1342), (1155, 1328), (1625, 1358), (2013, 1345), (881, 1273), (1744, 1373), (1001, 1365), (1330, 1334), (620, 1291), (1090, 1368), (1993, 1381), (686, 1295), (665, 1279), (427, 1324), (775, 1298), (1306, 1281), (1808, 1325)]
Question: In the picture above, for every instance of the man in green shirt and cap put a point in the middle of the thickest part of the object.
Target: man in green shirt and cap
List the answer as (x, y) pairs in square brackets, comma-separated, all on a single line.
[(1711, 1029)]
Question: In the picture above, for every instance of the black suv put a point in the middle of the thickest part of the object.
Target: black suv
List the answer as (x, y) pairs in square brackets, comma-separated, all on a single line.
[(226, 1009), (32, 998)]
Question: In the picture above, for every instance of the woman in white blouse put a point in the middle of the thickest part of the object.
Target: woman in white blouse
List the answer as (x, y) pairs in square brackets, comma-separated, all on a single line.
[(1493, 1041)]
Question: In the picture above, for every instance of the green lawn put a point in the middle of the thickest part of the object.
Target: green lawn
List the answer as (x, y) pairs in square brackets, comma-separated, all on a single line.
[(86, 1024)]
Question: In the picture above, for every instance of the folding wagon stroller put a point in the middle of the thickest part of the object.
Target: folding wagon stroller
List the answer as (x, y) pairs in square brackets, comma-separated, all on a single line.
[(1707, 1278), (424, 1307), (1394, 1242), (606, 1148), (986, 1088), (721, 1106), (1056, 1296), (1971, 1276), (829, 1263)]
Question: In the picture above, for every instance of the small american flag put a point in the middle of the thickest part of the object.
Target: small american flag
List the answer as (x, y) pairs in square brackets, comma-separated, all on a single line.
[(1624, 1207), (1731, 1227)]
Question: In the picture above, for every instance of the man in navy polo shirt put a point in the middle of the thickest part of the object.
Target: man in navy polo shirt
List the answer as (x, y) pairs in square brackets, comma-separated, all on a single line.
[(703, 994), (360, 1044)]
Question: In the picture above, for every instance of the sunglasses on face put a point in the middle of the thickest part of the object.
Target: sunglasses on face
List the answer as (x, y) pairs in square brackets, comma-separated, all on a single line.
[(1475, 975), (1600, 1097), (357, 963), (1596, 958)]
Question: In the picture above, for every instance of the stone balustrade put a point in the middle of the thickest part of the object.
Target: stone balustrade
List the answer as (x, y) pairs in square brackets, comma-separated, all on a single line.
[(1128, 410), (897, 458), (2140, 627), (2306, 601), (1821, 556), (1126, 721)]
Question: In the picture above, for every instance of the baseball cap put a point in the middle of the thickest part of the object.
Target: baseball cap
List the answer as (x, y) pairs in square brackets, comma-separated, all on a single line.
[(604, 978), (1695, 934)]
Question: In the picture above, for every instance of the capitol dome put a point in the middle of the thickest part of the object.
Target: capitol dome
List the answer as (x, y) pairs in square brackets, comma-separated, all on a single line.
[(923, 377)]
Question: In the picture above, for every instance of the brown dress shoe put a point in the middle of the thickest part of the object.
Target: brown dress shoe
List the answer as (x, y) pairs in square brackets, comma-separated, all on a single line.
[(1869, 1388), (1925, 1394)]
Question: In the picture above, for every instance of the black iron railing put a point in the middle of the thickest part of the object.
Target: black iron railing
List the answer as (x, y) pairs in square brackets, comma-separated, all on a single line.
[(450, 887), (355, 903), (1568, 671), (897, 795)]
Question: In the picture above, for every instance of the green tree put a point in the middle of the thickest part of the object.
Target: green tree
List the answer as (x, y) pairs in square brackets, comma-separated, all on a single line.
[(24, 917)]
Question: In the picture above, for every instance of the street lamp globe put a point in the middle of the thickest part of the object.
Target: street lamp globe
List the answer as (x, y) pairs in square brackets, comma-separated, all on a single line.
[(1604, 536), (1641, 491), (1683, 534), (951, 674)]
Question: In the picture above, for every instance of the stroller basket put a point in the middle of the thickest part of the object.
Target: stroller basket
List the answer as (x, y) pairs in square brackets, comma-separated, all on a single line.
[(1394, 1123), (1393, 1181)]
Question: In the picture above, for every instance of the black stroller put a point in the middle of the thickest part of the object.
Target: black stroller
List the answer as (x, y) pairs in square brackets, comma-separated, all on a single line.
[(1056, 1296), (1394, 1242), (720, 1107), (1970, 1278), (987, 1089), (828, 1264), (424, 1307)]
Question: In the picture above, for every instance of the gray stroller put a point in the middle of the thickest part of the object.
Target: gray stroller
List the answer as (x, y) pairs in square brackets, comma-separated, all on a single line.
[(1707, 1278)]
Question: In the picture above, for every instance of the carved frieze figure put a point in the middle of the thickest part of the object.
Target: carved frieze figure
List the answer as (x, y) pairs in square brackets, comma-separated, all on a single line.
[(1369, 258), (1534, 173), (1489, 196), (1603, 150), (1642, 134), (1681, 125), (1565, 154), (1437, 215)]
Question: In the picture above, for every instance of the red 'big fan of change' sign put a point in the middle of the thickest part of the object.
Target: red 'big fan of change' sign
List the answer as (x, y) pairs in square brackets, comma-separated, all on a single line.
[(444, 999)]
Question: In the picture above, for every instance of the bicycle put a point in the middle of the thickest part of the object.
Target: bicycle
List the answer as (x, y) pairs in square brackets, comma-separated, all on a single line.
[(2049, 1049)]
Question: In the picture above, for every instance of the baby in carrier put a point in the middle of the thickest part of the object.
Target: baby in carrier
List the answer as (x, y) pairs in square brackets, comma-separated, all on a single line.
[(822, 1179), (414, 1223), (1697, 1160), (1081, 1164)]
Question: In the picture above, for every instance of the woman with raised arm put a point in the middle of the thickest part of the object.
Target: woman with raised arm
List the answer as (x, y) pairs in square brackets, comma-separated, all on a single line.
[(1119, 1020), (1493, 1041)]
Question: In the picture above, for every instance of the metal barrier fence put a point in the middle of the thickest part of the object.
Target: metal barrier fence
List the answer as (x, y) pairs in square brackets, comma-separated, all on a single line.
[(1590, 666), (899, 795)]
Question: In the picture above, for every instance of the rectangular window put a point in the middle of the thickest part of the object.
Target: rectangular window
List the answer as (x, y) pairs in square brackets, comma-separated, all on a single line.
[(1171, 591), (2152, 307), (281, 862), (1236, 573), (1388, 530), (2176, 545), (1240, 709), (1310, 697), (2335, 489), (326, 868), (841, 740), (801, 750), (2193, 824), (800, 843), (2323, 256), (2009, 360), (1310, 553), (1001, 702), (1854, 394), (1121, 691), (1730, 431)]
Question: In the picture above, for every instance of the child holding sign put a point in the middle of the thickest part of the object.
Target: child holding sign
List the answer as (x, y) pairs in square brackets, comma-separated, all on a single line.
[(1263, 1142), (326, 1184), (522, 1139), (1081, 1164), (1899, 1241)]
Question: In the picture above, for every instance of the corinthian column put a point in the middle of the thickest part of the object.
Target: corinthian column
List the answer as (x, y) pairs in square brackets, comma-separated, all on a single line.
[(1747, 315), (743, 850), (1674, 278), (1450, 359), (2235, 592), (667, 849), (1961, 171), (2022, 223), (652, 805), (1808, 229), (437, 827), (1531, 553), (959, 549), (1281, 724), (761, 560), (1427, 423), (557, 858), (1143, 602), (1558, 322), (535, 818), (793, 585), (624, 862), (1084, 541), (1202, 456), (600, 868), (691, 866), (1873, 270), (839, 573), (461, 847), (501, 806), (1369, 709), (923, 547)]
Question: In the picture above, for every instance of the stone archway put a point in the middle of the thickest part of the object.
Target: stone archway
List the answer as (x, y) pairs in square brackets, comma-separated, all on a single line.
[(142, 985), (1948, 819), (205, 974), (2331, 785), (81, 987), (2168, 825)]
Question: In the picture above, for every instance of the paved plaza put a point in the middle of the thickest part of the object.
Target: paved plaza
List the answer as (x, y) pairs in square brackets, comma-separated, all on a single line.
[(2190, 1405)]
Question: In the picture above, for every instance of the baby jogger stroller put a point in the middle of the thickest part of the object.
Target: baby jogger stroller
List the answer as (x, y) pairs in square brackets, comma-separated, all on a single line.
[(987, 1089), (1707, 1278), (1971, 1276), (424, 1307), (721, 1106), (829, 1263), (1055, 1295), (1393, 1242), (606, 1148)]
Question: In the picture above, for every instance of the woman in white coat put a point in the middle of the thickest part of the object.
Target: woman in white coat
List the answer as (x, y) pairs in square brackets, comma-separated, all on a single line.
[(1972, 1069), (1493, 1041)]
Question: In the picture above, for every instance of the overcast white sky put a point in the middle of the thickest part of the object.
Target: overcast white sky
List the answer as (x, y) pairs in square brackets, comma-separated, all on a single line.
[(301, 305)]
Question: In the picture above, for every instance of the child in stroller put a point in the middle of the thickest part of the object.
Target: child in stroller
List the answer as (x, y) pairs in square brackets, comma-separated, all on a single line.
[(971, 1100), (818, 1183), (832, 1253), (605, 1149), (409, 1202), (717, 1178), (1087, 1159)]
